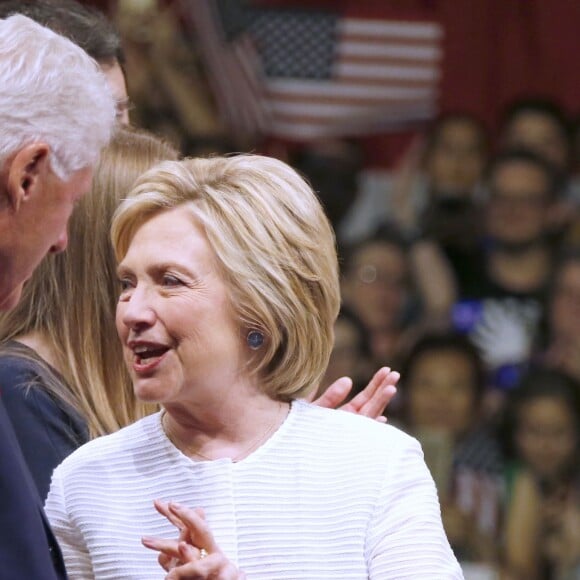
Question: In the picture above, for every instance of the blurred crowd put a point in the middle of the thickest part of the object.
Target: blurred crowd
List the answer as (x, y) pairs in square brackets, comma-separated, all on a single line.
[(460, 268)]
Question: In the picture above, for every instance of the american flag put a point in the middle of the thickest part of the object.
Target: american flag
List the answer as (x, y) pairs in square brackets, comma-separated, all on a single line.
[(301, 74)]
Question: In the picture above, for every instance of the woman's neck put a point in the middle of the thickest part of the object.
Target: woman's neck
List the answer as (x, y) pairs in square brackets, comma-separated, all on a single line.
[(232, 428), (39, 344)]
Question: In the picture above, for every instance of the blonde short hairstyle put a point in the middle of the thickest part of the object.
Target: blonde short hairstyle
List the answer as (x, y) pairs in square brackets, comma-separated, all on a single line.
[(276, 248)]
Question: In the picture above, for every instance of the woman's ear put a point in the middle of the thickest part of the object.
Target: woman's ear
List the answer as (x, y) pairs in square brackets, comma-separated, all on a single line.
[(26, 170)]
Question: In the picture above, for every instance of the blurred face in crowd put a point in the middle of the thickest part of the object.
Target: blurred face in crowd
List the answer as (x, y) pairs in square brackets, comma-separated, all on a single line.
[(344, 357), (347, 358), (540, 133), (376, 285), (565, 303), (441, 392), (455, 163), (546, 437), (518, 203)]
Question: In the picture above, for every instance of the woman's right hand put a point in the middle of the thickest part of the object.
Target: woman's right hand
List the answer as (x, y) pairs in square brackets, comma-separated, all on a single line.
[(195, 555)]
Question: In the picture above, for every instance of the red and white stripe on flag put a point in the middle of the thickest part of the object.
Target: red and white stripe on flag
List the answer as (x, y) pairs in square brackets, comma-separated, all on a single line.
[(384, 75)]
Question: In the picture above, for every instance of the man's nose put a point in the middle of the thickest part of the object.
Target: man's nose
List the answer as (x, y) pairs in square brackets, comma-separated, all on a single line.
[(60, 244)]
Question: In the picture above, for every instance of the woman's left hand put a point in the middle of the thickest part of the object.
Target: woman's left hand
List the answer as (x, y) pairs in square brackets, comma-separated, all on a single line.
[(195, 555)]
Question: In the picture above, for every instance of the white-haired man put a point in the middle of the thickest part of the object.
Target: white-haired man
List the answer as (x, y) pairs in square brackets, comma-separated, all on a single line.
[(56, 113)]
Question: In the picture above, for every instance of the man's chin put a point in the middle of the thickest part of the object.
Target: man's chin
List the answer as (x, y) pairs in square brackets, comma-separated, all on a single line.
[(9, 301)]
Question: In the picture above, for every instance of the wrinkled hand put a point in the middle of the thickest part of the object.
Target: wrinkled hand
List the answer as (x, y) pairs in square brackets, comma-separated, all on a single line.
[(195, 554), (371, 402)]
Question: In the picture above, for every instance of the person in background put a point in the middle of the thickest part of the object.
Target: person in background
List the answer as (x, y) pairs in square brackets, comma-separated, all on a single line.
[(442, 391), (542, 439), (230, 292), (541, 125), (558, 346), (396, 290), (167, 83), (56, 112), (62, 373), (438, 180), (87, 28), (500, 308), (377, 287), (351, 353), (332, 167)]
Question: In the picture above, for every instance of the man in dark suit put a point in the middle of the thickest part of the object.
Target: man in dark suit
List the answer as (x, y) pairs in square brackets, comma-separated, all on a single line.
[(56, 113), (28, 549)]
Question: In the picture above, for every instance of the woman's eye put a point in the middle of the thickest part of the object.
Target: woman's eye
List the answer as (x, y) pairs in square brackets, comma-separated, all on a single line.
[(125, 284), (169, 280)]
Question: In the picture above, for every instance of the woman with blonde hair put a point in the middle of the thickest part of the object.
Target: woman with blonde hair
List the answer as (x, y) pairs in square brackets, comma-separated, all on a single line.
[(61, 368), (230, 291)]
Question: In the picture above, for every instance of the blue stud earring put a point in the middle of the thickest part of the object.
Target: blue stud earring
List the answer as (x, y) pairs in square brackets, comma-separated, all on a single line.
[(255, 339)]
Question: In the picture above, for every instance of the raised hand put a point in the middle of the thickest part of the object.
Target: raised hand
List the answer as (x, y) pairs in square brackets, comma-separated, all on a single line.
[(371, 402)]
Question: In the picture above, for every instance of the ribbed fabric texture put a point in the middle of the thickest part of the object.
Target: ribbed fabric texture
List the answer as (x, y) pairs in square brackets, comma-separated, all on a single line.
[(329, 495)]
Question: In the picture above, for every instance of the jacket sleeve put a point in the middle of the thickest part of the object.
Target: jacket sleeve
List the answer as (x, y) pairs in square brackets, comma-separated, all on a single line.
[(71, 540), (405, 538)]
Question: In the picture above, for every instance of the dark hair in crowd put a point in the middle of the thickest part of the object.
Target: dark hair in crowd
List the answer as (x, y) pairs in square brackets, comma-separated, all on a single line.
[(87, 27), (537, 105), (538, 383), (362, 334), (455, 342), (442, 121), (521, 155), (384, 234)]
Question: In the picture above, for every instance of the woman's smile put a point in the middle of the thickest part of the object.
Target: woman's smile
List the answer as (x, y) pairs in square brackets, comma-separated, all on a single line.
[(147, 356)]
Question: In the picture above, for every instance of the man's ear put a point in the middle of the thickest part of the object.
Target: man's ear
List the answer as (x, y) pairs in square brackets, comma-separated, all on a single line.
[(27, 171)]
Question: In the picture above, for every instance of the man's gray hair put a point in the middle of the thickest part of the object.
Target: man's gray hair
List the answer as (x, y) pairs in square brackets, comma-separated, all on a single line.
[(51, 91)]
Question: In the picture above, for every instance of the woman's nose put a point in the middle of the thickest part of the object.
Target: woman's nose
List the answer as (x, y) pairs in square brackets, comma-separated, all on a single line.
[(137, 309)]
